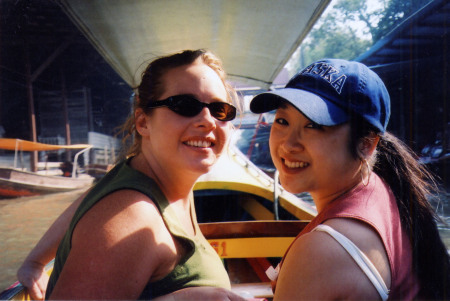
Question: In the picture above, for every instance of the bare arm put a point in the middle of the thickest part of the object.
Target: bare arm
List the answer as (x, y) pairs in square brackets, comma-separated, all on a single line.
[(113, 232), (318, 268), (118, 246), (31, 273)]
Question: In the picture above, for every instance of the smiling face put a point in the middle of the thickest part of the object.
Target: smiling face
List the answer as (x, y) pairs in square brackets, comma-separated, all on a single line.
[(173, 143), (312, 158)]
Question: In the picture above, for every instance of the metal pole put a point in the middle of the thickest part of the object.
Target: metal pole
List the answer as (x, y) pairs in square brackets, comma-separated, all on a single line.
[(276, 195), (66, 114), (32, 114)]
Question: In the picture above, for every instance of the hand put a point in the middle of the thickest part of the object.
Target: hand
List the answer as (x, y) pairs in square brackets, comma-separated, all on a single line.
[(32, 275), (202, 293)]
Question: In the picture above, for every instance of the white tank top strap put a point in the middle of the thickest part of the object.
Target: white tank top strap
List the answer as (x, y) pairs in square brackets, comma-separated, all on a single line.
[(360, 258)]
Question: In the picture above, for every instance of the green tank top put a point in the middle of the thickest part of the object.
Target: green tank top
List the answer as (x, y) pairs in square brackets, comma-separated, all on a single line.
[(201, 265)]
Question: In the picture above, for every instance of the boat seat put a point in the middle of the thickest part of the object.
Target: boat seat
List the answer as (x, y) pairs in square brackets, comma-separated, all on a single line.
[(251, 239)]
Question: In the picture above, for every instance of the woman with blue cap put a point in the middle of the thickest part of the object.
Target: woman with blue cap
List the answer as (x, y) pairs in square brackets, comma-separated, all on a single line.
[(375, 235)]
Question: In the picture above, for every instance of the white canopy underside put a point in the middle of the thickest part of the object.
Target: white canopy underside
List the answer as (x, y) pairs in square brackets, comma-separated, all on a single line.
[(254, 38)]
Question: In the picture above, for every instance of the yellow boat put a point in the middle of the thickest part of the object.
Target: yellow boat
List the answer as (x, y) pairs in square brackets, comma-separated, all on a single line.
[(247, 37)]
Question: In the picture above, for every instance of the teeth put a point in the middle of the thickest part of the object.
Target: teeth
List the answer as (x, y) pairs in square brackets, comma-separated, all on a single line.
[(199, 143), (295, 164)]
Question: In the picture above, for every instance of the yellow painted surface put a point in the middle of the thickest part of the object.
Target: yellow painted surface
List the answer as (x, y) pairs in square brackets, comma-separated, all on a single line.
[(251, 247), (256, 209)]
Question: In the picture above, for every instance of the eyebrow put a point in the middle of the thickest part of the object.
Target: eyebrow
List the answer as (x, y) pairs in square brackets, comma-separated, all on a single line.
[(283, 104), (213, 99)]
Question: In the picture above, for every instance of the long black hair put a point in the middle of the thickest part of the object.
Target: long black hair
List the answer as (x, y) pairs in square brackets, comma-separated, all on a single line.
[(412, 185)]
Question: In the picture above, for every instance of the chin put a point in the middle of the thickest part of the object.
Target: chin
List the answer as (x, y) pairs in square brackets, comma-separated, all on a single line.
[(293, 191), (291, 187), (203, 168)]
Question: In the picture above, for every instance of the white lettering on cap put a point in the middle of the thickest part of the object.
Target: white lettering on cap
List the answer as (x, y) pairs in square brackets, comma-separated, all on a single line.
[(328, 73)]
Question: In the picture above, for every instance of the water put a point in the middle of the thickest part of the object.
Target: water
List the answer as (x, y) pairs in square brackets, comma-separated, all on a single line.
[(24, 220)]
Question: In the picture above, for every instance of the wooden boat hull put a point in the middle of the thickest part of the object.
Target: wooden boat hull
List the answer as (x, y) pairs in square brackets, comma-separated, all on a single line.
[(16, 183)]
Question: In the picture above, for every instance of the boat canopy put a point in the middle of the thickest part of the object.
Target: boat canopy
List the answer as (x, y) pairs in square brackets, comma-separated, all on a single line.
[(24, 145), (254, 39)]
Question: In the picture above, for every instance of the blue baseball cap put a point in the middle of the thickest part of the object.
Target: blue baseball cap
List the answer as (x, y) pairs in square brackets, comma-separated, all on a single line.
[(329, 91)]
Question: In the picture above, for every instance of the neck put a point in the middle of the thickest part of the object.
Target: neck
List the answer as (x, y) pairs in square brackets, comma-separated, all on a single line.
[(322, 200), (176, 186)]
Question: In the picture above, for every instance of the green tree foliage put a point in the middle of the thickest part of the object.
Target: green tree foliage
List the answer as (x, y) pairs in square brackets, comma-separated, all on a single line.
[(395, 12), (350, 27)]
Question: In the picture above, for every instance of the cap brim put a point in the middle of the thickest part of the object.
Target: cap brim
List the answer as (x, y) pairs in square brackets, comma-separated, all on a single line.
[(314, 107)]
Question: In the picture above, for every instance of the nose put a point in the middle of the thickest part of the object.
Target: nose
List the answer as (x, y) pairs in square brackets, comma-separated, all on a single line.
[(292, 142), (205, 119)]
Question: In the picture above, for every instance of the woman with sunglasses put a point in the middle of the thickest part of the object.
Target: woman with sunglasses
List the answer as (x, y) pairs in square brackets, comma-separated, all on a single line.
[(135, 234), (375, 235)]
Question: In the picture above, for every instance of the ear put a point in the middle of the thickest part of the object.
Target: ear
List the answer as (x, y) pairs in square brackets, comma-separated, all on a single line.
[(367, 145), (141, 124)]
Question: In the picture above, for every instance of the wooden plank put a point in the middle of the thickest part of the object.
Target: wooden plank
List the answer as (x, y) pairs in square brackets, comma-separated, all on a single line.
[(245, 229), (251, 247)]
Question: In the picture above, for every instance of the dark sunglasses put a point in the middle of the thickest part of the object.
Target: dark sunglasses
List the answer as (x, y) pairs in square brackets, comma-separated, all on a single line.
[(188, 106)]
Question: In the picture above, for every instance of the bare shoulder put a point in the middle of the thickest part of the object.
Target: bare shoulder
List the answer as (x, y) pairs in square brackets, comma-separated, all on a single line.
[(368, 240), (360, 233), (318, 267), (125, 215), (117, 247), (308, 267), (117, 215)]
